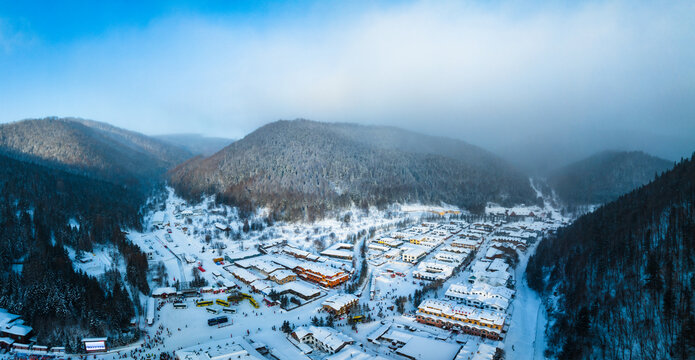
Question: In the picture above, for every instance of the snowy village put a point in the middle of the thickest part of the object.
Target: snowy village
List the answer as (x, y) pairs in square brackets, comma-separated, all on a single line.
[(410, 282), (347, 180)]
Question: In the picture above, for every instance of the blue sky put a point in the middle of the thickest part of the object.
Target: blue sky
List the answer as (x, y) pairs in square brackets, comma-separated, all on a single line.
[(55, 22), (581, 75)]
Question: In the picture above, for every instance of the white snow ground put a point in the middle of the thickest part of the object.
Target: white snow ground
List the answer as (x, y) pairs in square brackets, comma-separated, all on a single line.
[(526, 336)]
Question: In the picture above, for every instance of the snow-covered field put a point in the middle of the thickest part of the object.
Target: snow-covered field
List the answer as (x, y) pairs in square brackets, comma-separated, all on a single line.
[(96, 262)]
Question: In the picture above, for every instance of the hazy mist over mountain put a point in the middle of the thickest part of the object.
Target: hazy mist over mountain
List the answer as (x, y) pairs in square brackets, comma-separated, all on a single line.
[(195, 143), (541, 84)]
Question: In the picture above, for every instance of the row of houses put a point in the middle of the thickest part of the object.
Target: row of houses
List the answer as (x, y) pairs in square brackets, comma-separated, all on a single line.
[(478, 308), (468, 243), (470, 320), (457, 250), (519, 235), (390, 242), (323, 275), (443, 266), (508, 241), (269, 269), (454, 258), (481, 295), (409, 343), (263, 284), (279, 273), (428, 240), (300, 254), (419, 240)]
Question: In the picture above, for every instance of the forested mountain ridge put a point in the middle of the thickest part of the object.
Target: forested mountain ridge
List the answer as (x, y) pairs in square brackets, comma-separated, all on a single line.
[(169, 154), (302, 169), (604, 176), (621, 281), (62, 305), (90, 148)]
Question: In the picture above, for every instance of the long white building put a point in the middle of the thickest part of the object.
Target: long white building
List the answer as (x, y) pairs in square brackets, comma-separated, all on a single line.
[(481, 295)]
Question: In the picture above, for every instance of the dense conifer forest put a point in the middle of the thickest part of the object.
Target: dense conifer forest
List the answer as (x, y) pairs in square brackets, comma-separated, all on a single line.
[(620, 282), (37, 276)]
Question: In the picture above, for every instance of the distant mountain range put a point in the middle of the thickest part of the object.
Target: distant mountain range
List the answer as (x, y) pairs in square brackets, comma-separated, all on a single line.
[(619, 281), (295, 166), (605, 176), (196, 144), (90, 148), (304, 167)]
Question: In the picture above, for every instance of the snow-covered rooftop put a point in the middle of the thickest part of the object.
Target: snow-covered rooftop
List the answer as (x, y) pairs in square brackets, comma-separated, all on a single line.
[(329, 337), (243, 274), (476, 351), (424, 349), (482, 289), (164, 290), (339, 301), (298, 288), (219, 350), (239, 255), (282, 274), (354, 353), (18, 330), (338, 253), (7, 318), (498, 265), (450, 309)]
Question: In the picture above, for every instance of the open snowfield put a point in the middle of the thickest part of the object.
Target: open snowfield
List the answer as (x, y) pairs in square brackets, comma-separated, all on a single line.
[(96, 262)]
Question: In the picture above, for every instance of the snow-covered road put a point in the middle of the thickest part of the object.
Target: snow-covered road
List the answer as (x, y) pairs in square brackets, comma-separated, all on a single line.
[(526, 336)]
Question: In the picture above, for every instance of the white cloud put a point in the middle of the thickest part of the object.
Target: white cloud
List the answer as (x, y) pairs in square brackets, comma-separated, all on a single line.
[(484, 73)]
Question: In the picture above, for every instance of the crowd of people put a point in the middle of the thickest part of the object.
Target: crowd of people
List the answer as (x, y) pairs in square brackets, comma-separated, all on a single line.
[(151, 348)]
